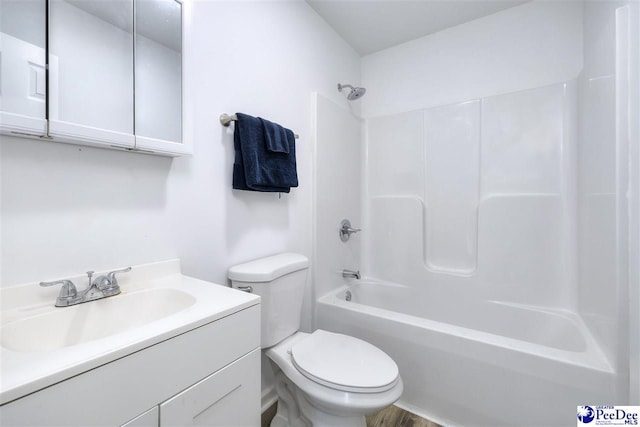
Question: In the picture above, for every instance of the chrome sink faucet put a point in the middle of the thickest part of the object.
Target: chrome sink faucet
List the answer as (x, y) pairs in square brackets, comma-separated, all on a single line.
[(351, 273), (102, 287)]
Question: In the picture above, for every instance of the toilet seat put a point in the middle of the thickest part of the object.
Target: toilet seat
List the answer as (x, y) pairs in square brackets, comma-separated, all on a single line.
[(345, 363)]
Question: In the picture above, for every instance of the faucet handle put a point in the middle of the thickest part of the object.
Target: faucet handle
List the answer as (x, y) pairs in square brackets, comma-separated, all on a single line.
[(66, 284), (346, 231), (111, 276), (67, 293), (102, 282)]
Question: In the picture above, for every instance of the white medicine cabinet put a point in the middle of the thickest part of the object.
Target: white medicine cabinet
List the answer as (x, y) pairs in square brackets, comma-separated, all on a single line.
[(102, 73), (23, 67)]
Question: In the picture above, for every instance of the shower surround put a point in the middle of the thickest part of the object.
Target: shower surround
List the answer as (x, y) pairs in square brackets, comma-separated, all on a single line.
[(496, 214), (477, 199)]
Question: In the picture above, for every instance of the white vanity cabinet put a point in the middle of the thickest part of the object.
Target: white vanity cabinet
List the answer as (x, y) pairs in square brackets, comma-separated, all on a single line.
[(218, 400), (207, 376), (150, 418), (222, 399)]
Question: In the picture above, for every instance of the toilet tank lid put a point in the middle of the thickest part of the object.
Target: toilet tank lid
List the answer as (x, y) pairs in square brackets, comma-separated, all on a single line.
[(269, 268)]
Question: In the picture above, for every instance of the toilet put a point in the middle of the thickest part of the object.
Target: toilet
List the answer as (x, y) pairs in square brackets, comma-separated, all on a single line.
[(321, 378)]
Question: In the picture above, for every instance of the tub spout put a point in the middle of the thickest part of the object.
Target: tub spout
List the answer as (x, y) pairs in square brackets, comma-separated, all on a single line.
[(351, 273)]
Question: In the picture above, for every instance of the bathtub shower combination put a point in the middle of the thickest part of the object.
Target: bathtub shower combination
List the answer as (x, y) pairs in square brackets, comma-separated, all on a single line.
[(494, 251), (477, 364)]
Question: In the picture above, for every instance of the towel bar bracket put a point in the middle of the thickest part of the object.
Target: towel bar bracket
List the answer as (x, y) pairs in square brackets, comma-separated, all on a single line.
[(226, 119)]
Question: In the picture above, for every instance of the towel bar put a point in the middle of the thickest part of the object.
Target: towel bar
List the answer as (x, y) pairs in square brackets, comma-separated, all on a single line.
[(226, 119)]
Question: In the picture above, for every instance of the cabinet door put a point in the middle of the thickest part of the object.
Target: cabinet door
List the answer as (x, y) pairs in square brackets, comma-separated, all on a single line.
[(158, 76), (151, 418), (91, 72), (227, 398), (23, 67)]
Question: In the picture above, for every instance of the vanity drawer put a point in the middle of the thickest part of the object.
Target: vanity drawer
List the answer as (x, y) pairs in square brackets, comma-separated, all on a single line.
[(227, 398)]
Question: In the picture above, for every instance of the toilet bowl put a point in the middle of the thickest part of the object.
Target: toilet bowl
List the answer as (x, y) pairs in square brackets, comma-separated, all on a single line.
[(336, 393), (322, 378)]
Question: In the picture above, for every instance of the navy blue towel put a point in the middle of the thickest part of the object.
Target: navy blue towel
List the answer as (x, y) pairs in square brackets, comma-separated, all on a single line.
[(276, 137), (265, 156)]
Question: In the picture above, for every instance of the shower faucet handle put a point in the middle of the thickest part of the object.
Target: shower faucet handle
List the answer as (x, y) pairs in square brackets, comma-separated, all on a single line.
[(346, 231)]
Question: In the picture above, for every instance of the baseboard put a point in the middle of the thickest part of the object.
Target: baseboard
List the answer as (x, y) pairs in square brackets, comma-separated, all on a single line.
[(268, 399)]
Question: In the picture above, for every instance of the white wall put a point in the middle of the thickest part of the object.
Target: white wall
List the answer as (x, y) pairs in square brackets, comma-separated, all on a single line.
[(67, 209), (531, 45), (265, 59)]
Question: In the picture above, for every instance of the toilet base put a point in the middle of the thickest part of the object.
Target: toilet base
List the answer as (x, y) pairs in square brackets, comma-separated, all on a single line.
[(295, 409), (303, 402)]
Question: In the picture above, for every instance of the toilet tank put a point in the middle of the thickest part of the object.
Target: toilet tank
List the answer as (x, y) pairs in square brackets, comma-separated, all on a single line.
[(279, 280)]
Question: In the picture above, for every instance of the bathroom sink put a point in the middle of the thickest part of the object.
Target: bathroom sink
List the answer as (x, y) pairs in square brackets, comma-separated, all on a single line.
[(62, 327), (42, 345)]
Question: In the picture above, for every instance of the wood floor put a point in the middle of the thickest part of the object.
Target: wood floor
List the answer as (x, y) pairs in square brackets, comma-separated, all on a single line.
[(393, 416), (388, 417), (268, 415)]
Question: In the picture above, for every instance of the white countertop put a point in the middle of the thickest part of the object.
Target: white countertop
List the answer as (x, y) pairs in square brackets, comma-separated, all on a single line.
[(23, 372)]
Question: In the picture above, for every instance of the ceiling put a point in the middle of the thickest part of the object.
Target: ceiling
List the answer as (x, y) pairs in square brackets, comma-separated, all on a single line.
[(372, 25)]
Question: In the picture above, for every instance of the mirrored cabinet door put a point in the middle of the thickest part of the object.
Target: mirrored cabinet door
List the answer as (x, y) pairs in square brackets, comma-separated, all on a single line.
[(22, 67), (91, 71), (158, 75), (106, 73)]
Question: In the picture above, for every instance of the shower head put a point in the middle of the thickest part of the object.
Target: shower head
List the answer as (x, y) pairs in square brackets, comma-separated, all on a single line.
[(356, 92)]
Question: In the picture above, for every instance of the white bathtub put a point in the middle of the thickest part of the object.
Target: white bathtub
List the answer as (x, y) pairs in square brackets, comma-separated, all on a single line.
[(477, 363)]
